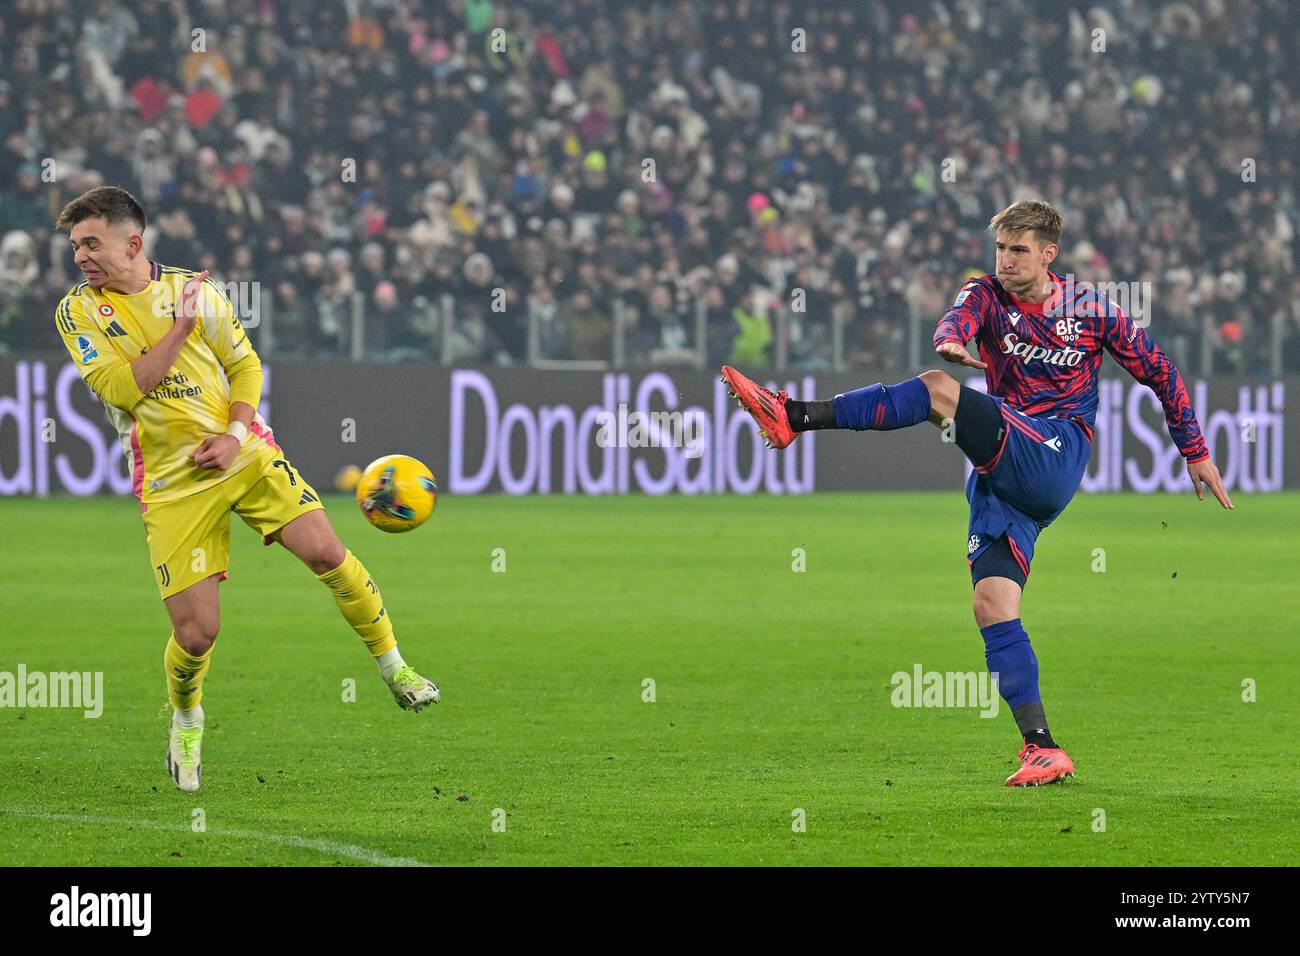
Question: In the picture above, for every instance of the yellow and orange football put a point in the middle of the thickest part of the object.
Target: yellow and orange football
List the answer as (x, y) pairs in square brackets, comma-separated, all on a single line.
[(397, 493)]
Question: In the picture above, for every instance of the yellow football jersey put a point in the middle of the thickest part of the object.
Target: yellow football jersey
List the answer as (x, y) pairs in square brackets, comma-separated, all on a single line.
[(105, 331)]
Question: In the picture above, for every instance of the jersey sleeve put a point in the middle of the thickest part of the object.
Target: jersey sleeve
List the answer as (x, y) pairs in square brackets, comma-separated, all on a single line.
[(1138, 354), (965, 318), (108, 374), (225, 335)]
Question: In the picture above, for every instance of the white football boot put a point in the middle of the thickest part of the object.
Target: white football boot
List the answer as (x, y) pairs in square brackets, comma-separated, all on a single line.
[(411, 691), (183, 763)]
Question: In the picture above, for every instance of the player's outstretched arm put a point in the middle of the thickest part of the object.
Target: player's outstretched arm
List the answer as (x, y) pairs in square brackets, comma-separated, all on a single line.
[(956, 352), (1138, 354), (1205, 473)]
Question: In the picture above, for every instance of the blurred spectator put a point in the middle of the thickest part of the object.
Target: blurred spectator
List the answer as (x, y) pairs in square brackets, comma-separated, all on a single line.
[(18, 289), (586, 328)]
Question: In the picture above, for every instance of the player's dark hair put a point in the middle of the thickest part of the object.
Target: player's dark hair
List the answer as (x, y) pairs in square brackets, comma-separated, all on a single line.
[(110, 203), (1033, 214)]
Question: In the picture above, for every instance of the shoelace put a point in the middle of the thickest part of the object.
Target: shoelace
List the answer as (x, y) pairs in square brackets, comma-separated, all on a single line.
[(189, 741), (1027, 751), (407, 677)]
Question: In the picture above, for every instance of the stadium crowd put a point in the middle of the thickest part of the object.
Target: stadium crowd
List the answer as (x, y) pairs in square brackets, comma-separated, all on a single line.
[(537, 160)]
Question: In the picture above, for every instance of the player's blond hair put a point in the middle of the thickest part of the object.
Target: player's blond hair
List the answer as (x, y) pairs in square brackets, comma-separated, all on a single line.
[(1033, 214)]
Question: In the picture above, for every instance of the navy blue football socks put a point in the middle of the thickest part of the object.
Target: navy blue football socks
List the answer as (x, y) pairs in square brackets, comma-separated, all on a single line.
[(877, 407), (883, 407), (1007, 650), (1010, 656)]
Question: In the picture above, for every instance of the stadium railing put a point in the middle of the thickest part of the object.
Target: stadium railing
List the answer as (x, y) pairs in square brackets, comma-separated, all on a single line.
[(1196, 353)]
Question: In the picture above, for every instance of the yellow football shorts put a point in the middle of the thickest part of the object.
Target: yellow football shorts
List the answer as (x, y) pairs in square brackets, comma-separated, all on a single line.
[(189, 538)]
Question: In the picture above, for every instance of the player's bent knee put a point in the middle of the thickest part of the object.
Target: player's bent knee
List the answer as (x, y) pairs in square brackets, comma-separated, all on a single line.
[(321, 566), (328, 557), (939, 382), (989, 611), (991, 607), (944, 390), (197, 637)]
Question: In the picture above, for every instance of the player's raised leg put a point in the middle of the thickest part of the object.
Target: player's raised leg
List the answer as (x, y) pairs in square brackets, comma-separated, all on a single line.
[(312, 539), (196, 618), (931, 396)]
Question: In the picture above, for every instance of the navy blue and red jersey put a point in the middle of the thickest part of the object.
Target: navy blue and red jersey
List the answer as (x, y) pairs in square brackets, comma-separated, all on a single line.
[(1043, 358)]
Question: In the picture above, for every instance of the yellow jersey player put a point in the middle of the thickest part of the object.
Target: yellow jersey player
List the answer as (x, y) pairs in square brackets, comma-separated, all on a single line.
[(164, 351)]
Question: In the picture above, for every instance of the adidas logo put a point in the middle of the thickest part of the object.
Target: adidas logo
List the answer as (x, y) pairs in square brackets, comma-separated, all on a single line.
[(114, 330), (306, 497)]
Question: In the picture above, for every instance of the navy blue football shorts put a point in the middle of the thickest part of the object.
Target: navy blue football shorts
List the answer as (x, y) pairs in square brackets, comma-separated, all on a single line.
[(1027, 468)]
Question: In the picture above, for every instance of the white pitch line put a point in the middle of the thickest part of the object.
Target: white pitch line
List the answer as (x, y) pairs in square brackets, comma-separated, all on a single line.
[(328, 847)]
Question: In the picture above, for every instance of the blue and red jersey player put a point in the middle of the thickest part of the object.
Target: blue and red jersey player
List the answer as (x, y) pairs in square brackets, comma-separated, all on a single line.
[(1040, 338)]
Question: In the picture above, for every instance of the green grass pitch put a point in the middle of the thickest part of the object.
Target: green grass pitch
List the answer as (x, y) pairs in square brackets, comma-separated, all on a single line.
[(772, 689)]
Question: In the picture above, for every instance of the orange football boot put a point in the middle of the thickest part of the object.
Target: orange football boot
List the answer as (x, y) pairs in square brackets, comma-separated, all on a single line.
[(767, 407), (1040, 765)]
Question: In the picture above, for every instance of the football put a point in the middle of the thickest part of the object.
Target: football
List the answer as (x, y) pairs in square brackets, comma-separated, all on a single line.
[(397, 493)]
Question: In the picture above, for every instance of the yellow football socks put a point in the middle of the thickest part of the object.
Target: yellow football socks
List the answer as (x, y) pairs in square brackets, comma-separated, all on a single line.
[(185, 674), (361, 604)]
